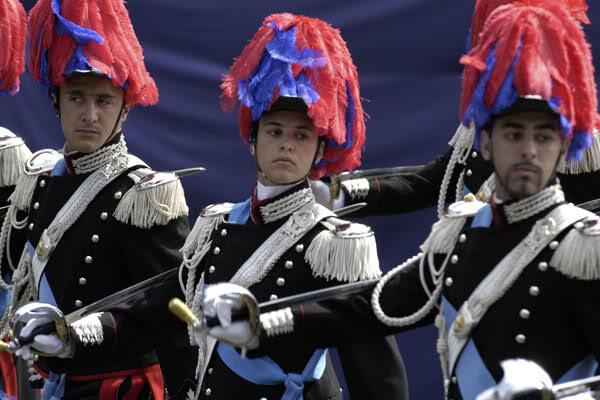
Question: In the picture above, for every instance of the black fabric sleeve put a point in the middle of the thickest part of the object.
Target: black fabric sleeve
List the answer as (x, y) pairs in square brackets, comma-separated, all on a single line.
[(341, 321)]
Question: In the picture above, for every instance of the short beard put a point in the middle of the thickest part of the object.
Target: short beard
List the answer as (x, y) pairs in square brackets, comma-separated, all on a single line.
[(515, 195)]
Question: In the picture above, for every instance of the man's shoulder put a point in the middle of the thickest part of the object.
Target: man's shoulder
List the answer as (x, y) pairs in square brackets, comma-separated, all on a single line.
[(154, 198), (577, 249), (445, 232), (38, 164)]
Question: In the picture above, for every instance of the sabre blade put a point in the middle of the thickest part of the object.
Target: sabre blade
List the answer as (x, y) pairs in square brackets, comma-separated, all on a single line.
[(188, 171), (340, 212), (572, 388), (122, 296)]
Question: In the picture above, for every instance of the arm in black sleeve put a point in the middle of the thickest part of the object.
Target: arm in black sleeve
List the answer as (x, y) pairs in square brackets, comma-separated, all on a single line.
[(580, 188), (402, 192), (145, 323), (333, 322)]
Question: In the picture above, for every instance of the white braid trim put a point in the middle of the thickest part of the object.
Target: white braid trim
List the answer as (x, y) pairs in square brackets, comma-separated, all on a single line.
[(533, 205), (21, 196), (22, 285), (420, 313), (287, 205), (278, 322), (358, 189), (589, 162), (103, 156), (12, 161), (462, 143), (193, 251), (89, 330)]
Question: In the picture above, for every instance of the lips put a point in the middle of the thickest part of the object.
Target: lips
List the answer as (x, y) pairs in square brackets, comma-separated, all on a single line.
[(85, 131), (284, 160), (526, 169)]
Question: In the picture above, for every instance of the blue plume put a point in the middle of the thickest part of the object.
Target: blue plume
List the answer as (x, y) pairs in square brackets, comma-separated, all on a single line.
[(81, 35), (275, 71)]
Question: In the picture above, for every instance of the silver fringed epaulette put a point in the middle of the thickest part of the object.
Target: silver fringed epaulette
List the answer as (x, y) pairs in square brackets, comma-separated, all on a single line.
[(13, 155), (589, 162), (578, 253), (445, 231), (344, 251), (155, 199), (40, 162)]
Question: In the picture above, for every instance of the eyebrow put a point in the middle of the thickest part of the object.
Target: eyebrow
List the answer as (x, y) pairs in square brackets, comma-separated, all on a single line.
[(278, 124), (82, 92), (539, 126)]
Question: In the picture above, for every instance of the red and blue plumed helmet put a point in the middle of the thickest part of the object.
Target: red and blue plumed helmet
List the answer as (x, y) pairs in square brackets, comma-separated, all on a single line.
[(306, 58), (483, 9), (88, 36), (13, 33), (532, 49)]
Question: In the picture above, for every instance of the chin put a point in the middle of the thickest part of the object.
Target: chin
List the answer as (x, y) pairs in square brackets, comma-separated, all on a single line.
[(284, 179), (84, 147)]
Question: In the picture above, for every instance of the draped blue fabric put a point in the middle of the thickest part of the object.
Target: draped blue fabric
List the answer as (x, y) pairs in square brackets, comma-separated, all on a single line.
[(407, 55)]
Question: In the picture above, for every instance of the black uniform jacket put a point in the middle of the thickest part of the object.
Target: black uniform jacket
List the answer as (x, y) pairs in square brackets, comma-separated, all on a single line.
[(545, 316), (290, 275), (97, 256), (419, 187)]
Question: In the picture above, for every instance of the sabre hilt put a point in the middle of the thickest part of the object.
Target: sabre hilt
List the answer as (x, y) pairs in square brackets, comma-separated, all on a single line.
[(185, 314)]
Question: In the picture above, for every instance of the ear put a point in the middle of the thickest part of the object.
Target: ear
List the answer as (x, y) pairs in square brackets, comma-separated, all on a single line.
[(564, 148), (125, 114), (252, 149), (485, 144), (55, 105), (320, 151)]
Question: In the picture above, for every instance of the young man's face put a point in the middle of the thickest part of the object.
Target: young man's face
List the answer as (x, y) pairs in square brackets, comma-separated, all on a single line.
[(525, 149), (286, 146), (89, 110)]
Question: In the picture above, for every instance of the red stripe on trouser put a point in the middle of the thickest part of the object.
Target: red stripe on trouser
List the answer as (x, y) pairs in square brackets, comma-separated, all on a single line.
[(9, 374), (112, 380), (151, 375)]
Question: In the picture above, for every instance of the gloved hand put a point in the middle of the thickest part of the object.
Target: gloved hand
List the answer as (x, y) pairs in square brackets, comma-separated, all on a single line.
[(35, 328), (47, 344), (230, 314), (322, 192)]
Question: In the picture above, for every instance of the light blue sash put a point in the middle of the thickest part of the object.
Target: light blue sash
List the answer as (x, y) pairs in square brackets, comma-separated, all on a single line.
[(263, 370)]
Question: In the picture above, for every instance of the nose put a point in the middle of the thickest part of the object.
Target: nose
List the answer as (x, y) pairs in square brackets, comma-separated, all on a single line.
[(529, 149), (89, 114), (286, 144)]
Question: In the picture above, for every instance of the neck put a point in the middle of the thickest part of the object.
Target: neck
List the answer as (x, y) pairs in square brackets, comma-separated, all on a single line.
[(266, 192)]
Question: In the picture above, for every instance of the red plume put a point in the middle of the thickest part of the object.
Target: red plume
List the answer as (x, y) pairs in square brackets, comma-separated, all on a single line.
[(554, 59), (333, 82), (483, 8), (13, 31), (119, 56)]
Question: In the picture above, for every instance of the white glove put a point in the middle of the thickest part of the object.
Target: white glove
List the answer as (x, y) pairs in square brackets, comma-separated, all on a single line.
[(220, 301), (322, 194), (48, 344)]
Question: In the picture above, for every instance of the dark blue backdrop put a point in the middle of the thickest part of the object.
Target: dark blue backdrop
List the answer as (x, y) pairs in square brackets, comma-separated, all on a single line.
[(407, 55)]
